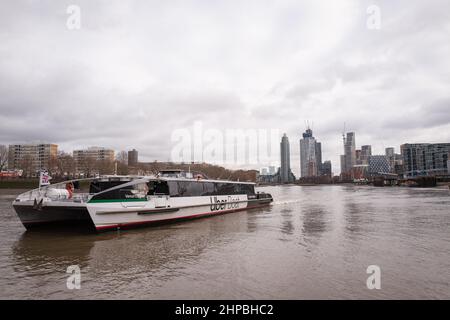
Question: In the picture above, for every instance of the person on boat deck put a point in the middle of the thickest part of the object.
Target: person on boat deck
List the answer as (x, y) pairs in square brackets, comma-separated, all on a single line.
[(69, 188)]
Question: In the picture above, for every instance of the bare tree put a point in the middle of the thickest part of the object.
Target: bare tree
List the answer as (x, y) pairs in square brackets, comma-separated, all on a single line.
[(26, 164), (88, 165), (122, 168), (122, 163), (65, 164), (53, 165), (122, 157), (3, 157), (105, 167)]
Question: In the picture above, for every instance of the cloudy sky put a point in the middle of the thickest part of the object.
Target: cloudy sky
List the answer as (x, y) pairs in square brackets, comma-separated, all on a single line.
[(136, 71)]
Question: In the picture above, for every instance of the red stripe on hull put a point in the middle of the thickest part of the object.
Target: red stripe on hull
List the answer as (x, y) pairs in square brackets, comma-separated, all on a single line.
[(199, 215)]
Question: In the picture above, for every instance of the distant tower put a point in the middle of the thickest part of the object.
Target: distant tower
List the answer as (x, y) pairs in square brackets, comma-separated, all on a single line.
[(350, 151), (132, 157), (319, 158), (366, 152), (285, 168), (326, 169), (310, 155), (343, 168)]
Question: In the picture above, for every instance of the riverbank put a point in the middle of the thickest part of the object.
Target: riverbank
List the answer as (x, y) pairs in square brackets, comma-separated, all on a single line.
[(19, 184)]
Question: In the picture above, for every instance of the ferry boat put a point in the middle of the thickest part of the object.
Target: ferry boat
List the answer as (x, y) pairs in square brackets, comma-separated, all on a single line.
[(121, 202)]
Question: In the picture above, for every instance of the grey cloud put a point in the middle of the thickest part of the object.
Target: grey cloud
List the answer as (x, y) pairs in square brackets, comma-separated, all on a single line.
[(434, 114), (137, 70)]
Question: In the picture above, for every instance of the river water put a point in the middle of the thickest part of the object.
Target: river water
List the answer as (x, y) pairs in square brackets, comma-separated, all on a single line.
[(313, 242)]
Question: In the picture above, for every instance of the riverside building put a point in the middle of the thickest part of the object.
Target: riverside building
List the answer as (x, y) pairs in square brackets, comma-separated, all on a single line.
[(310, 155), (31, 157), (425, 159), (86, 159)]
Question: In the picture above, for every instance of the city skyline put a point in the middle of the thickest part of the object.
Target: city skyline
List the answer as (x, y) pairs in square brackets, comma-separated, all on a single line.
[(274, 164)]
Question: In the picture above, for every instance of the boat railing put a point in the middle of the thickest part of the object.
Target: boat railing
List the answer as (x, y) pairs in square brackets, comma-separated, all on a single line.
[(56, 192), (53, 195)]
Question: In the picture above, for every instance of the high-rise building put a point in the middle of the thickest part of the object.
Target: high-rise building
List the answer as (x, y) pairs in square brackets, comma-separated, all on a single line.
[(310, 155), (366, 151), (31, 157), (425, 158), (326, 169), (319, 158), (358, 156), (133, 157), (84, 159), (350, 153), (308, 161), (286, 175), (391, 156), (342, 158)]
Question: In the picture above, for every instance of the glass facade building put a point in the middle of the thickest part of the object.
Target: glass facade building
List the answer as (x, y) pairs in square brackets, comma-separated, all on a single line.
[(310, 155), (424, 159), (379, 164)]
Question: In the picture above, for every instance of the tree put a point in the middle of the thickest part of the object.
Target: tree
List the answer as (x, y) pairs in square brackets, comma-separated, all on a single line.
[(65, 164), (122, 157), (105, 167), (88, 165), (122, 163), (52, 165), (26, 164), (3, 157)]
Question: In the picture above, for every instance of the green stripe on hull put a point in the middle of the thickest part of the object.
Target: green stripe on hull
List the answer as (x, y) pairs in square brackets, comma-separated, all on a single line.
[(115, 200)]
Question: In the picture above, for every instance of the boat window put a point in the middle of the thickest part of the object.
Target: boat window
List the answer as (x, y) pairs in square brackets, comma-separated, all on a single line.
[(183, 188), (199, 188), (157, 187), (208, 189), (247, 189), (190, 189), (173, 188), (98, 186), (195, 189), (225, 188), (137, 191), (114, 194), (161, 187)]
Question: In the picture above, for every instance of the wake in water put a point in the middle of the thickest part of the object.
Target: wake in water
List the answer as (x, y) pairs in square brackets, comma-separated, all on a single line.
[(286, 202)]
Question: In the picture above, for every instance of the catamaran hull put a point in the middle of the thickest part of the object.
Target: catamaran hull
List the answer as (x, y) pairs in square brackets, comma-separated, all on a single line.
[(153, 217), (32, 216)]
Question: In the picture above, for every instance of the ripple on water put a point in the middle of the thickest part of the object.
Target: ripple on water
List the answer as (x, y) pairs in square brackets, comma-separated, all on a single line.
[(312, 242)]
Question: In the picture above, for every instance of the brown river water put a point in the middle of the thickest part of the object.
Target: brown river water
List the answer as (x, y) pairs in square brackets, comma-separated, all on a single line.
[(313, 242)]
